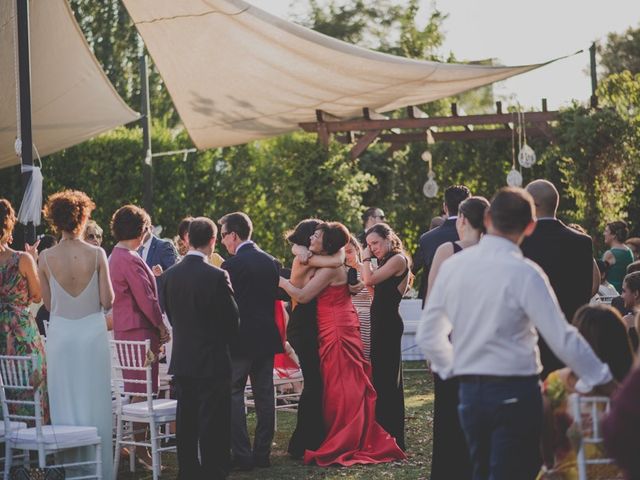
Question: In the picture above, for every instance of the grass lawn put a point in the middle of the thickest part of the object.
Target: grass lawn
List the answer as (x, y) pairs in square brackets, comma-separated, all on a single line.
[(419, 422)]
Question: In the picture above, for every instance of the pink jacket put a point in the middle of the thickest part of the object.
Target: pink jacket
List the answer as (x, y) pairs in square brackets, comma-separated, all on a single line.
[(136, 298)]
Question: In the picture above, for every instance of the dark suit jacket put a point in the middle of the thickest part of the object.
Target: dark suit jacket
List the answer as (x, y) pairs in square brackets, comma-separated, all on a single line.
[(163, 253), (427, 246), (254, 276), (566, 256), (200, 306)]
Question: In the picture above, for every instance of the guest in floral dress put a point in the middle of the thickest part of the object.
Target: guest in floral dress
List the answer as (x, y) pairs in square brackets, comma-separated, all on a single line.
[(19, 286)]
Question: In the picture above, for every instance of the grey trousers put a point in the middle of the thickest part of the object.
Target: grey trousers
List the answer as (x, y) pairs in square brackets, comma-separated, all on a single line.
[(260, 371)]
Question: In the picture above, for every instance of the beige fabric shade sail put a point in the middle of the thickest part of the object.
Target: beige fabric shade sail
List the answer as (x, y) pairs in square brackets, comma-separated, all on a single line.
[(72, 99), (237, 73)]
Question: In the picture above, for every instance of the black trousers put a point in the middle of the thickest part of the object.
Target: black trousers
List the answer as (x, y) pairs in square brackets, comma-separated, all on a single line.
[(260, 371), (204, 419)]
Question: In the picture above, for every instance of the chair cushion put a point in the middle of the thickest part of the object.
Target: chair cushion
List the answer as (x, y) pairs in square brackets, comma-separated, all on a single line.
[(14, 426), (161, 407), (56, 435)]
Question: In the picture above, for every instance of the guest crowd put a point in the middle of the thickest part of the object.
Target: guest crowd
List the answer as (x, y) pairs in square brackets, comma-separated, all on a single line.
[(517, 316)]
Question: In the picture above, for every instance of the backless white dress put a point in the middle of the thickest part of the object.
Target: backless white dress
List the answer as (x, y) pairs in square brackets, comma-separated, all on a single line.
[(79, 363)]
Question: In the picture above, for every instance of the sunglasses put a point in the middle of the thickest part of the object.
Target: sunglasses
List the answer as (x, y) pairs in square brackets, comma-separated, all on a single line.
[(94, 236), (224, 234)]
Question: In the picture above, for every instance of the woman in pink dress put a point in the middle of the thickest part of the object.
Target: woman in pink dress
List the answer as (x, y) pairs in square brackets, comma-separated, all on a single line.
[(136, 311), (353, 435)]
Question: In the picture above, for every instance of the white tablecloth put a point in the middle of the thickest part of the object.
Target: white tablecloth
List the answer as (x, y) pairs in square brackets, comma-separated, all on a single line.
[(410, 311)]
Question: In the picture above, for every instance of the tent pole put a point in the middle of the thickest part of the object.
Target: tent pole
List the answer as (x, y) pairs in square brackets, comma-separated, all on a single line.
[(594, 75), (26, 155), (145, 119)]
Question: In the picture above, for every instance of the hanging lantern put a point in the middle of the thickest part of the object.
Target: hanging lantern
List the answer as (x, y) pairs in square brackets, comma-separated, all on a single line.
[(514, 178), (426, 156), (430, 188), (526, 157)]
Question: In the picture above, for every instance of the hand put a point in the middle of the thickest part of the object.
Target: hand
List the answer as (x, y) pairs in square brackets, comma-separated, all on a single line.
[(303, 258), (165, 336), (282, 282), (32, 249), (356, 287), (366, 253), (157, 270)]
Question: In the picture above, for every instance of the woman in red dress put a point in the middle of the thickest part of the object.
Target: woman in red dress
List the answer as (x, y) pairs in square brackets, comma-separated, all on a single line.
[(349, 399)]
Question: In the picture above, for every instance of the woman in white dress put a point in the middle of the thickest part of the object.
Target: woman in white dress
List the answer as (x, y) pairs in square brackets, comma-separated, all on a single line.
[(76, 288)]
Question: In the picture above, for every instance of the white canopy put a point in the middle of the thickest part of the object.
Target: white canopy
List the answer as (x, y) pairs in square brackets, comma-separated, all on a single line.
[(237, 73), (72, 99)]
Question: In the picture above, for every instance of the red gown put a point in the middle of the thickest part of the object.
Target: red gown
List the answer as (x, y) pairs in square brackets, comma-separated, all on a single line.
[(349, 399)]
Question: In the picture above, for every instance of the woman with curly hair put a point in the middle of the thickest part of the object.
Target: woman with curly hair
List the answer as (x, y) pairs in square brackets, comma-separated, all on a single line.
[(19, 286), (390, 280), (75, 289)]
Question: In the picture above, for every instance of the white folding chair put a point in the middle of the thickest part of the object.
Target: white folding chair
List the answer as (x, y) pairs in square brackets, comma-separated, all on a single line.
[(587, 413), (130, 356), (16, 377)]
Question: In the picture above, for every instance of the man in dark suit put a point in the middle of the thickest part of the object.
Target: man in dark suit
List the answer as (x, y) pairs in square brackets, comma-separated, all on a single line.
[(431, 240), (159, 255), (200, 305), (254, 277), (565, 255)]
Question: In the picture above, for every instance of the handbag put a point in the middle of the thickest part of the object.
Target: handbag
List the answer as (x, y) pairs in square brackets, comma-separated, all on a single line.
[(20, 472)]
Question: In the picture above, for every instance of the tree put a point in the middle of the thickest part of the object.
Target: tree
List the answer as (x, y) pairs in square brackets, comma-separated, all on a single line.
[(116, 45), (621, 52)]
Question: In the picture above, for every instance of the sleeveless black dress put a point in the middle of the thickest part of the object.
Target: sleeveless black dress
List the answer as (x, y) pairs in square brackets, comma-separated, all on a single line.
[(302, 334), (450, 457), (386, 356)]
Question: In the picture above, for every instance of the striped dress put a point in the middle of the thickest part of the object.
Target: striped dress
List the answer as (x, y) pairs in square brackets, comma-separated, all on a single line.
[(362, 303)]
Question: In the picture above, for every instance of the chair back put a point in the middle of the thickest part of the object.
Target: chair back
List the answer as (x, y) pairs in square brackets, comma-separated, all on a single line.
[(587, 413), (131, 366), (20, 386)]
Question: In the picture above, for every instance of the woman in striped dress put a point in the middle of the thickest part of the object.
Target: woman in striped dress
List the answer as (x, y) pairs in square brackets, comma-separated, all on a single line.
[(361, 300)]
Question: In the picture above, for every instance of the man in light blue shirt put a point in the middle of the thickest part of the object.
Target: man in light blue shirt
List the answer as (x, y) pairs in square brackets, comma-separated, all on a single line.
[(492, 301)]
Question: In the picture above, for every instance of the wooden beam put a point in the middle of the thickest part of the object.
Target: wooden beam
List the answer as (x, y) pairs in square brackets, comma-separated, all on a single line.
[(323, 135), (499, 107), (363, 143), (426, 123), (499, 133)]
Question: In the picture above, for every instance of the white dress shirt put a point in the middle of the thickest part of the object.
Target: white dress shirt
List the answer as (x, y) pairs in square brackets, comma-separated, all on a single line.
[(145, 249), (491, 300), (198, 253)]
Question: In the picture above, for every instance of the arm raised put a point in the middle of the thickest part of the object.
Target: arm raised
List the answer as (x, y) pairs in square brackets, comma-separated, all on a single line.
[(319, 282)]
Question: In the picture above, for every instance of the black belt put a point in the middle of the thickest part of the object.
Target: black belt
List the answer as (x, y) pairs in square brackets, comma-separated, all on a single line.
[(494, 378)]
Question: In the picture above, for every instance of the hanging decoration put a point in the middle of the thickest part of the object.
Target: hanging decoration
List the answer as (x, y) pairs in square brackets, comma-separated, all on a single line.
[(430, 188), (526, 155), (514, 177)]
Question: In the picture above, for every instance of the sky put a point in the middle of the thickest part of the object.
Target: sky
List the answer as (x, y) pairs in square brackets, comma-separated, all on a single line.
[(517, 32)]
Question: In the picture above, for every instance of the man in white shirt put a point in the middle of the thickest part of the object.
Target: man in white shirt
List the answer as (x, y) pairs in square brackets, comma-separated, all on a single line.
[(491, 300)]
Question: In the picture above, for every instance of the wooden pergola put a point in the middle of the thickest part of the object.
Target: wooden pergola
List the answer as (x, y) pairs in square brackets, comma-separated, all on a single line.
[(417, 126)]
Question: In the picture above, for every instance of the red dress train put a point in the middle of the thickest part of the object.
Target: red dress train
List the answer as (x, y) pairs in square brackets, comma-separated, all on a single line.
[(349, 399)]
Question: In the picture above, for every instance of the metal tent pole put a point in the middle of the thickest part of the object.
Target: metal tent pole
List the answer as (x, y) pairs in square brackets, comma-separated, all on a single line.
[(24, 74)]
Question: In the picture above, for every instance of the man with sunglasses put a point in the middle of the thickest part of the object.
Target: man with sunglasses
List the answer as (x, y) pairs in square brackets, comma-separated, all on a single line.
[(93, 233), (254, 277)]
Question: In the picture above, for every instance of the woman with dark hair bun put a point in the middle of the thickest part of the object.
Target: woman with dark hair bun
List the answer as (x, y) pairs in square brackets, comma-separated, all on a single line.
[(619, 255), (302, 335), (390, 280), (19, 286), (348, 407), (450, 458)]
